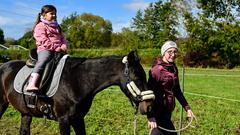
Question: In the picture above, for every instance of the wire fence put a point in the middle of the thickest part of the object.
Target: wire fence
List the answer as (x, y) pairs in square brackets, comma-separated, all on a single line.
[(206, 74), (213, 97)]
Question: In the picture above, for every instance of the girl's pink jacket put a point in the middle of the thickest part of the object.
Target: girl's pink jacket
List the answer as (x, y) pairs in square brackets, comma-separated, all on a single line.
[(47, 37)]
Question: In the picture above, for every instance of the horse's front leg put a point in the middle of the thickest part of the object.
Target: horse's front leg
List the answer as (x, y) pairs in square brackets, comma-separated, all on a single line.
[(79, 126), (64, 126), (25, 124)]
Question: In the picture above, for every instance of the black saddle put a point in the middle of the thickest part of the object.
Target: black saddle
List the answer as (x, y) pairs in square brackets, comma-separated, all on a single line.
[(47, 75)]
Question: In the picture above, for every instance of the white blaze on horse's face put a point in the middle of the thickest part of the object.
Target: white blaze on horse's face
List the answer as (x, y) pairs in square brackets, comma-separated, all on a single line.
[(124, 60)]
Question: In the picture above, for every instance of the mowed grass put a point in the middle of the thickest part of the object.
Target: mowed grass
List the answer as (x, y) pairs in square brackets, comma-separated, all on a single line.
[(214, 96)]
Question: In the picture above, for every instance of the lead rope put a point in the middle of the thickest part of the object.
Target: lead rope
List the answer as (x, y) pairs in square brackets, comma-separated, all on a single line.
[(135, 121), (178, 130)]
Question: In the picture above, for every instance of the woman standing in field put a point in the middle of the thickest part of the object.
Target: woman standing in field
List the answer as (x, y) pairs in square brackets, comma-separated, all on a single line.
[(49, 39), (164, 81)]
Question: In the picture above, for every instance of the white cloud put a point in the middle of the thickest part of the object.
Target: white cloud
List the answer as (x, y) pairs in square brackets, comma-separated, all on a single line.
[(4, 20), (14, 21), (117, 26), (137, 5), (20, 14), (27, 9)]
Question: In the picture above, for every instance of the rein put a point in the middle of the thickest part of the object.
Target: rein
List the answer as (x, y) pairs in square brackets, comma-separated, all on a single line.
[(135, 121)]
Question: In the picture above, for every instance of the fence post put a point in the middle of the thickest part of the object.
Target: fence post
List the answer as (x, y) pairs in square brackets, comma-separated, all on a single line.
[(181, 108)]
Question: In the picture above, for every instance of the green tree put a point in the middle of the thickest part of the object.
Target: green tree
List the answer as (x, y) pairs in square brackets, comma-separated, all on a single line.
[(195, 47), (127, 39), (226, 10), (71, 27), (2, 41), (87, 31), (213, 34), (27, 40), (10, 41), (157, 23), (117, 40)]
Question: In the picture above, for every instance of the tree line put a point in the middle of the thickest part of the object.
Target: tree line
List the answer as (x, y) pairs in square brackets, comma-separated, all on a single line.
[(207, 31)]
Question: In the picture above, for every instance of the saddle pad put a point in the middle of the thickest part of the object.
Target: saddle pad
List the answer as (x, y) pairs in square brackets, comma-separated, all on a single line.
[(24, 73)]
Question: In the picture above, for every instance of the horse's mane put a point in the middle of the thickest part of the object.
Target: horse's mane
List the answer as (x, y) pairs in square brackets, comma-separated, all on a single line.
[(75, 61)]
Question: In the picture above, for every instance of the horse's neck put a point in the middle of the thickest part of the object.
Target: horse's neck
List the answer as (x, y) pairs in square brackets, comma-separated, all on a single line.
[(101, 73)]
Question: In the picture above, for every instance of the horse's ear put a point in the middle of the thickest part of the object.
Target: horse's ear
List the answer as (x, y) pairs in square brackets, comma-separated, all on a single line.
[(133, 57)]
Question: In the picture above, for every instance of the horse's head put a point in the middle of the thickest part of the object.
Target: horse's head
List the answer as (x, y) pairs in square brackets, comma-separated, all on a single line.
[(134, 83)]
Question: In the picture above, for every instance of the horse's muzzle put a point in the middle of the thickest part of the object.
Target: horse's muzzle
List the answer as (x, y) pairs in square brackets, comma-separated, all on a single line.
[(145, 106), (145, 98)]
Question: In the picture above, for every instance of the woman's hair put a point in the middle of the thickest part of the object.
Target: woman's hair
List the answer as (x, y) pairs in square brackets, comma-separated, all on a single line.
[(45, 9)]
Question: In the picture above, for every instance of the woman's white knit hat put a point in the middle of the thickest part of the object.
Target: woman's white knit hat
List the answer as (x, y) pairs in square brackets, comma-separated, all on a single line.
[(167, 45)]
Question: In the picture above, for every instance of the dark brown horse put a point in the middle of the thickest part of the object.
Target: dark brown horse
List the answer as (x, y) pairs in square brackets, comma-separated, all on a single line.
[(81, 80)]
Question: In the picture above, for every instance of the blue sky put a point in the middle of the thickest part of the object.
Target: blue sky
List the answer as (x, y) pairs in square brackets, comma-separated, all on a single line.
[(18, 16)]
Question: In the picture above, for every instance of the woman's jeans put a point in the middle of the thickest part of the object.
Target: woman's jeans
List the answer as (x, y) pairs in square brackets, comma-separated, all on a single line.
[(164, 120)]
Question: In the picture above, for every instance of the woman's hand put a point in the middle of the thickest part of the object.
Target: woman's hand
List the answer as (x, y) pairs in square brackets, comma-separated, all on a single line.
[(152, 123), (190, 114)]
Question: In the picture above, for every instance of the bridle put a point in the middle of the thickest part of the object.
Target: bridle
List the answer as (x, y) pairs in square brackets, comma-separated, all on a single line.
[(138, 95)]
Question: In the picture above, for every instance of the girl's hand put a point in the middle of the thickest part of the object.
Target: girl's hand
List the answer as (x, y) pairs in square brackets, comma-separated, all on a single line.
[(58, 49), (64, 48), (152, 123)]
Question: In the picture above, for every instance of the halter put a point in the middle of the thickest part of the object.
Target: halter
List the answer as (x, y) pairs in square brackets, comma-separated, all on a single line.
[(135, 92), (132, 87)]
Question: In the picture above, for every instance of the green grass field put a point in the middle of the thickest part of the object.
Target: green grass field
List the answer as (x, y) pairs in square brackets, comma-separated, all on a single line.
[(214, 96)]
